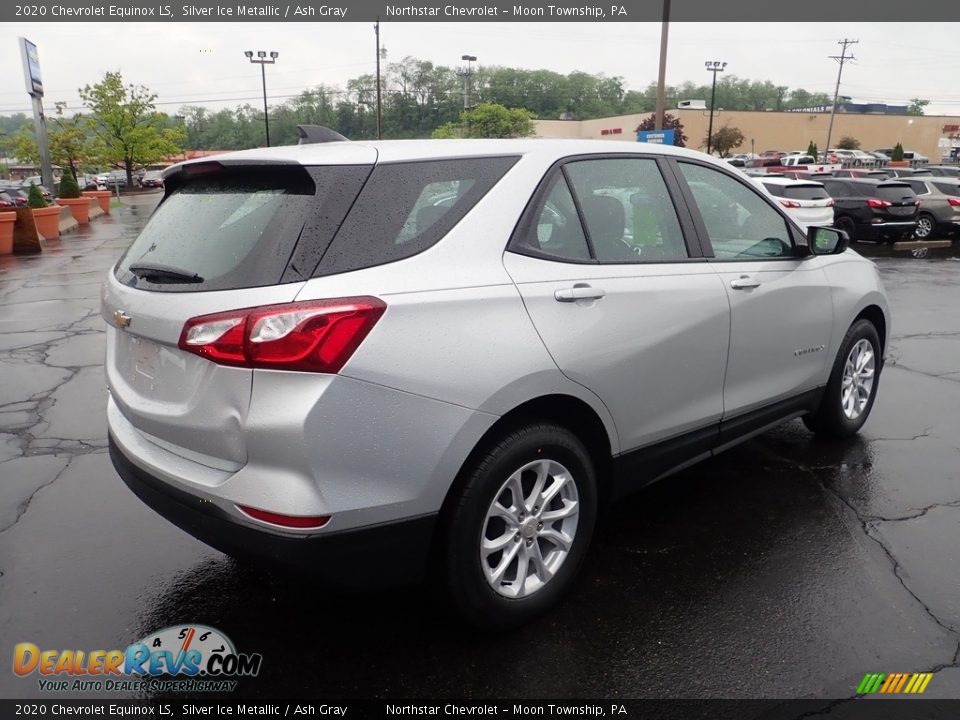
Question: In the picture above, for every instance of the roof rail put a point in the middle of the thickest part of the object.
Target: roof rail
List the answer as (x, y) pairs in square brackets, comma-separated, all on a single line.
[(310, 134)]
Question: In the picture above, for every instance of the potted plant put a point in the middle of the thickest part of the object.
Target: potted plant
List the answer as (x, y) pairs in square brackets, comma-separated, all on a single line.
[(70, 196), (46, 216), (7, 221), (896, 158)]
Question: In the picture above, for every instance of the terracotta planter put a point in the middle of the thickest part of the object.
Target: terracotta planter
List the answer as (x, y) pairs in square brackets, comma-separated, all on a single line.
[(80, 207), (7, 220), (48, 221), (899, 163), (103, 197)]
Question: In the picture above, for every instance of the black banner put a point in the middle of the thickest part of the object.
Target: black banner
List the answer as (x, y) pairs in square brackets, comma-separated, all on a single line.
[(844, 709), (739, 11)]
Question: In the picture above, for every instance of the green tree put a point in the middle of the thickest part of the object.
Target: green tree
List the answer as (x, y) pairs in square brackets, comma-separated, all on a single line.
[(726, 139), (916, 106), (127, 130), (812, 150), (35, 198), (848, 142), (669, 123), (489, 120), (897, 154), (69, 188)]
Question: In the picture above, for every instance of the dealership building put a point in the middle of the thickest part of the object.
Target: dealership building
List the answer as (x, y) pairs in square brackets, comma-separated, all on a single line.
[(931, 135)]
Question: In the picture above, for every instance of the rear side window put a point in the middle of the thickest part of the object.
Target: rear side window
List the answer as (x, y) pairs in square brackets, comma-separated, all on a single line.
[(948, 188), (234, 228), (405, 208), (836, 189)]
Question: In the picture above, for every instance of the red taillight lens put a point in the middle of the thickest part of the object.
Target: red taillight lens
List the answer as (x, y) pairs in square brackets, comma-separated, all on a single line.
[(830, 202), (874, 203), (290, 521), (790, 203), (954, 202), (311, 336)]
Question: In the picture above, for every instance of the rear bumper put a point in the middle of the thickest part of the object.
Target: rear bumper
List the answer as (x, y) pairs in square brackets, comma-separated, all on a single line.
[(885, 230), (387, 554)]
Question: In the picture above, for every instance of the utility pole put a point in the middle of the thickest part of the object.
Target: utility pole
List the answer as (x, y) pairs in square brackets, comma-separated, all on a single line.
[(376, 30), (841, 59), (662, 77), (713, 66), (466, 78)]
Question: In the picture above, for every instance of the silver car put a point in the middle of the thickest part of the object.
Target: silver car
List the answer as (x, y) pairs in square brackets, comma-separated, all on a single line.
[(382, 359)]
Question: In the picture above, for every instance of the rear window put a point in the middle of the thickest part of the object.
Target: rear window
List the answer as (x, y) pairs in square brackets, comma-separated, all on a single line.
[(948, 188), (895, 192), (405, 208), (798, 192), (235, 228)]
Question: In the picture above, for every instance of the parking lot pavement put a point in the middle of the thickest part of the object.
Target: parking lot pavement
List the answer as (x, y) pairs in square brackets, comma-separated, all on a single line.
[(785, 568)]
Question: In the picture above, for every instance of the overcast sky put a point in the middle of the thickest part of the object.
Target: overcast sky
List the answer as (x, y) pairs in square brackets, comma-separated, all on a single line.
[(203, 63)]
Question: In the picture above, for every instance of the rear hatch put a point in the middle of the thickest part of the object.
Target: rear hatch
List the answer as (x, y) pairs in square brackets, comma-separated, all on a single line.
[(902, 202), (224, 237), (808, 202)]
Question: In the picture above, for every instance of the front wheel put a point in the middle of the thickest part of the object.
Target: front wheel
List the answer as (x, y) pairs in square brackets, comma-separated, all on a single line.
[(521, 525), (847, 225), (852, 387)]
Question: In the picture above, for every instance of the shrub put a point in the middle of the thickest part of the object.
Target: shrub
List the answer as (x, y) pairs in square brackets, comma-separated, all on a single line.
[(68, 185), (812, 150), (35, 198)]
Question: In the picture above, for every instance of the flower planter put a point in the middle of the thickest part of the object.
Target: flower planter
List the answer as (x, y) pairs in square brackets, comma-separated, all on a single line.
[(899, 163), (48, 221), (79, 207), (103, 197), (7, 220)]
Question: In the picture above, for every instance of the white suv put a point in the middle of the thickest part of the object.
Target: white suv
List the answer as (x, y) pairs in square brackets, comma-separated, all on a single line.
[(363, 357)]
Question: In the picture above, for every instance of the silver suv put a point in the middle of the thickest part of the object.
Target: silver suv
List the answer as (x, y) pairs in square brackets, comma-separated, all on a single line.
[(373, 357)]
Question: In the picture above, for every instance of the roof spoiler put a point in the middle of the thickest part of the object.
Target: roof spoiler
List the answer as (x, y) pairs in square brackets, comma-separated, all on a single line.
[(310, 134)]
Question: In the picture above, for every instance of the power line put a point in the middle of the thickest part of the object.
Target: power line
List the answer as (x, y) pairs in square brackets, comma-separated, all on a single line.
[(842, 58)]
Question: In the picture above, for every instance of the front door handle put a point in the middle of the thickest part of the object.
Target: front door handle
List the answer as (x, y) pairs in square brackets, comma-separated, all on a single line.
[(579, 292), (744, 282)]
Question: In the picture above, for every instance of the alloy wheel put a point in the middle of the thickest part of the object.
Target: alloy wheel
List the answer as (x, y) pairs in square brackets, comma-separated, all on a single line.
[(858, 375), (529, 528)]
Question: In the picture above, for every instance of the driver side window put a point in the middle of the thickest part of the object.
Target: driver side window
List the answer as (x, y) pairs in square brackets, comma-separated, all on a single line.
[(740, 223)]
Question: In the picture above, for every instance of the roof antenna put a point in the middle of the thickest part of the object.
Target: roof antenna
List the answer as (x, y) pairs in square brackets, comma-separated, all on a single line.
[(310, 134)]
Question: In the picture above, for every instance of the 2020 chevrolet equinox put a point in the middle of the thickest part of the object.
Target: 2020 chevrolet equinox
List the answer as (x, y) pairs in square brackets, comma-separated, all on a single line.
[(364, 357)]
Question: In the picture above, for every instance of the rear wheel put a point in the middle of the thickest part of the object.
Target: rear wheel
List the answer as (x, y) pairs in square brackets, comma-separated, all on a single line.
[(847, 225), (852, 387), (926, 224), (521, 525)]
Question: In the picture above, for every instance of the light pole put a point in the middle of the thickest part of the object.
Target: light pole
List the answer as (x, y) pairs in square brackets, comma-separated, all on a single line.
[(262, 61), (713, 66), (466, 77), (381, 54)]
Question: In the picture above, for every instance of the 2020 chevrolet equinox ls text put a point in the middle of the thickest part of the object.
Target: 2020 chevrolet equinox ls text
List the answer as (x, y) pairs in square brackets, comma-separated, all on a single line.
[(370, 357)]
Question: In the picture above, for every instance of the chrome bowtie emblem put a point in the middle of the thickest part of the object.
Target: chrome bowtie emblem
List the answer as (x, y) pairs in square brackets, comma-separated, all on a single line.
[(121, 319)]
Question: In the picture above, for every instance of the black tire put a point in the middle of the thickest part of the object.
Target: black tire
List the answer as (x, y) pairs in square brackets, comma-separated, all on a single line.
[(464, 525), (925, 219), (829, 420), (847, 225)]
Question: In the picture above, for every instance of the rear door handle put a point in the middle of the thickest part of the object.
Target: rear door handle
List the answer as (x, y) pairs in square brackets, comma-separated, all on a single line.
[(579, 292), (744, 282)]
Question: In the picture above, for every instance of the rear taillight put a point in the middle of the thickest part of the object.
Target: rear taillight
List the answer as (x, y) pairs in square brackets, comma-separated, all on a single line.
[(311, 336), (874, 203), (830, 202), (954, 202), (290, 521), (790, 203)]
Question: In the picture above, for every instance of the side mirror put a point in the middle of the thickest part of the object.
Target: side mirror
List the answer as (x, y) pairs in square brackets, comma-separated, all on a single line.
[(826, 241)]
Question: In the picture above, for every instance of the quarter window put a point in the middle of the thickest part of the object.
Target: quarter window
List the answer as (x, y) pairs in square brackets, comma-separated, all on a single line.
[(740, 223)]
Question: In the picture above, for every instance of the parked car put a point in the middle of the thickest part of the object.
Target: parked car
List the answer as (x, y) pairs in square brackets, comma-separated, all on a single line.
[(862, 172), (47, 195), (7, 201), (907, 172), (807, 202), (152, 179), (112, 179), (943, 170), (316, 357), (939, 212), (873, 210)]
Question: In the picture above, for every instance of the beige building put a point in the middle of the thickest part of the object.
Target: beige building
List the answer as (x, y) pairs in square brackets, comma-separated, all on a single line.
[(930, 135)]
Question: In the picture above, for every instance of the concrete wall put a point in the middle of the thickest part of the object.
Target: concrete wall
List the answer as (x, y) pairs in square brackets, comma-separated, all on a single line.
[(776, 131)]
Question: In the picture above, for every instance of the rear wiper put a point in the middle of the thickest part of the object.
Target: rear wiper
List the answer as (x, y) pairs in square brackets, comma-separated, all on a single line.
[(155, 272)]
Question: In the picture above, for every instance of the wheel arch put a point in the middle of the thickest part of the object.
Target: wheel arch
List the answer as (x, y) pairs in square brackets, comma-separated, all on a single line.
[(875, 315)]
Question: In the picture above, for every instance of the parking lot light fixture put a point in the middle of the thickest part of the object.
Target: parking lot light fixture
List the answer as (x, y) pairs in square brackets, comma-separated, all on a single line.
[(713, 66), (262, 61)]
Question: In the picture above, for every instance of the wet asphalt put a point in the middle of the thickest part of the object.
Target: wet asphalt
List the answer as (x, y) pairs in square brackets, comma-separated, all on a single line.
[(787, 567)]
